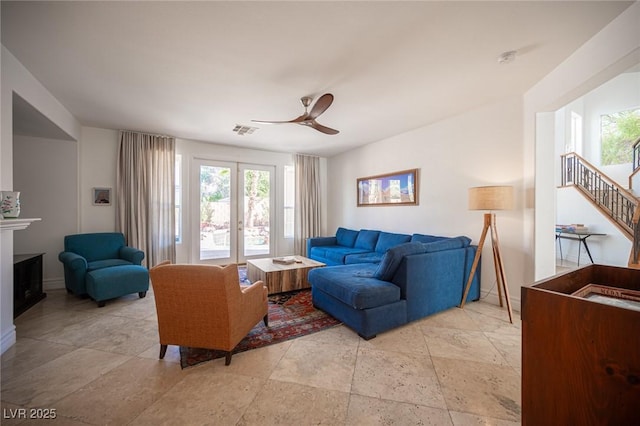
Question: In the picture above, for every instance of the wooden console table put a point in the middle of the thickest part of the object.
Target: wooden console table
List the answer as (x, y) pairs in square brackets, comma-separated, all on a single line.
[(580, 357)]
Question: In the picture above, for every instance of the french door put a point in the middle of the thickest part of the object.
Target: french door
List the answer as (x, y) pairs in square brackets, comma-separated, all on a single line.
[(233, 211)]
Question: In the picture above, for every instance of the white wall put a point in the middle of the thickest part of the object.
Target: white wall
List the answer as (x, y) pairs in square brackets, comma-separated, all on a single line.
[(612, 249), (98, 156), (613, 50), (45, 172), (480, 147), (16, 78)]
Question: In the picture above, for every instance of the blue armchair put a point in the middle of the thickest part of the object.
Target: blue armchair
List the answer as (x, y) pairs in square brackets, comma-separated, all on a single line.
[(103, 266)]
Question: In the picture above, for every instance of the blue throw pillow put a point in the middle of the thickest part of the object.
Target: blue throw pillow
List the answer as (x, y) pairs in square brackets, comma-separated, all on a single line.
[(346, 237), (392, 258), (367, 239)]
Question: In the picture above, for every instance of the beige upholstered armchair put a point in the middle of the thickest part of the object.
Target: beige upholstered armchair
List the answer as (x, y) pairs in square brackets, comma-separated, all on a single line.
[(203, 306)]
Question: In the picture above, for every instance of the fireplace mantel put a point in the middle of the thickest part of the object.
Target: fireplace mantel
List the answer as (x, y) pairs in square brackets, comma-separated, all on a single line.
[(16, 224)]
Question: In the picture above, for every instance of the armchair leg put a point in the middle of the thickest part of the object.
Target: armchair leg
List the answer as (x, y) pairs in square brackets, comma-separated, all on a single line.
[(101, 304), (163, 351), (227, 358), (142, 294), (266, 320)]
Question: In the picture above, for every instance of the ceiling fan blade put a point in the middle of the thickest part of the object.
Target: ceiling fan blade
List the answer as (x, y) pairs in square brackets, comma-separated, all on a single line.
[(300, 119), (324, 129), (321, 105)]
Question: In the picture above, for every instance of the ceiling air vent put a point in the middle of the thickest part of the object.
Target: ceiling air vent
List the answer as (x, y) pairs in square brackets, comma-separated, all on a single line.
[(242, 130)]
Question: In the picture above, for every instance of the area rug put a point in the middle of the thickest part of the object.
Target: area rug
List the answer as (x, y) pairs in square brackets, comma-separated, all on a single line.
[(291, 315)]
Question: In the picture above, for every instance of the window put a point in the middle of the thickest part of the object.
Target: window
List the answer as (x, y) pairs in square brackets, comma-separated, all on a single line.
[(178, 198), (618, 131), (289, 200), (576, 133)]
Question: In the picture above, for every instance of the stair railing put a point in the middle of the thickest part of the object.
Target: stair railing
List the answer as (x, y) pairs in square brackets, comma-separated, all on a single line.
[(636, 155), (612, 200)]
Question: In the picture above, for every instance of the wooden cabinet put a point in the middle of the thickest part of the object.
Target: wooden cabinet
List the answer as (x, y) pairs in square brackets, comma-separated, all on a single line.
[(580, 358), (27, 282)]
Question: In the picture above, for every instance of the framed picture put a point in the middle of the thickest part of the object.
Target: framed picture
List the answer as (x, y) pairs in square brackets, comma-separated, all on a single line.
[(392, 189), (101, 196)]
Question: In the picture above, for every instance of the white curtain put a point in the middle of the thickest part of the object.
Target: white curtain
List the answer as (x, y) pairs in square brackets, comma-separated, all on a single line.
[(308, 219), (145, 208)]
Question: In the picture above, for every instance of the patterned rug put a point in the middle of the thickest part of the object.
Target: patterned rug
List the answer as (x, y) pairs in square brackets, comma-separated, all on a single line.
[(291, 315)]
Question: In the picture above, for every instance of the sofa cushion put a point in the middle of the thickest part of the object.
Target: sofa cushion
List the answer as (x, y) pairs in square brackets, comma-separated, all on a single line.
[(386, 240), (367, 239), (447, 244), (346, 237), (334, 253), (369, 257), (354, 286), (107, 263), (420, 238), (392, 258)]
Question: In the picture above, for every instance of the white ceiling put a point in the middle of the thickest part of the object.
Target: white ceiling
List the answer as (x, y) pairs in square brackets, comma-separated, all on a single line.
[(196, 69)]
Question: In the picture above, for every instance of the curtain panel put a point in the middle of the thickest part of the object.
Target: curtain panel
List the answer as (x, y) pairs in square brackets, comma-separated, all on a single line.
[(308, 221), (145, 205)]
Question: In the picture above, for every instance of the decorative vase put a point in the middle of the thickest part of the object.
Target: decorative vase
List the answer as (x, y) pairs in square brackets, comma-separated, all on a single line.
[(10, 204)]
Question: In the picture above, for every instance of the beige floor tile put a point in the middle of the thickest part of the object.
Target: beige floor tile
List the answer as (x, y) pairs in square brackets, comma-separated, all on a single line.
[(509, 345), (51, 323), (466, 419), (133, 338), (90, 330), (366, 411), (397, 376), (338, 335), (317, 364), (203, 396), (122, 393), (281, 403), (406, 339), (461, 344), (257, 362), (28, 354), (50, 382), (483, 389), (451, 318)]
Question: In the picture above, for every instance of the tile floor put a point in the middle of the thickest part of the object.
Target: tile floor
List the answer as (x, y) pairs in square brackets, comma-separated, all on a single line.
[(100, 366)]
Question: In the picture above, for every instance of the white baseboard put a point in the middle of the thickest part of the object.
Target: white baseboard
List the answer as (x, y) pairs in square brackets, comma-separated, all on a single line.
[(8, 339), (492, 297)]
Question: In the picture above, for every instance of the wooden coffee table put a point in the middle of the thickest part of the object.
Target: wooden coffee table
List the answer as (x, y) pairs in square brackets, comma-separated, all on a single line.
[(280, 278)]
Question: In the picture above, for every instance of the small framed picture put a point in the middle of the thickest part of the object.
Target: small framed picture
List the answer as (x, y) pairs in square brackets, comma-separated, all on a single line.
[(101, 196)]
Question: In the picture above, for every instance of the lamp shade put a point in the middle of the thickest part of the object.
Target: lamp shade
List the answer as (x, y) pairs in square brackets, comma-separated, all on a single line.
[(491, 198)]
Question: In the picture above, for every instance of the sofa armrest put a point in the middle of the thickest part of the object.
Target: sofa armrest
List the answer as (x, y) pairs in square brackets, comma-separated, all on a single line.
[(73, 261), (132, 255)]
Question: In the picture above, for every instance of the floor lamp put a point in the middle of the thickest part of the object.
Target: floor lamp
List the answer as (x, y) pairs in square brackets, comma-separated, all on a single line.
[(490, 198)]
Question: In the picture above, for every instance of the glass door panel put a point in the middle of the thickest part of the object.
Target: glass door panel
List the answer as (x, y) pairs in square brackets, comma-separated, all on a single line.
[(216, 236), (256, 207)]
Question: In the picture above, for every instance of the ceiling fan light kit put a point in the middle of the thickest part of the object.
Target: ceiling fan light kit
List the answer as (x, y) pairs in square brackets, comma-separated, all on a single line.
[(309, 117)]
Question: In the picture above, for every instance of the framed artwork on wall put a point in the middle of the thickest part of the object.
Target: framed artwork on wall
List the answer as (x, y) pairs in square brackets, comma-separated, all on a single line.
[(391, 189), (101, 196)]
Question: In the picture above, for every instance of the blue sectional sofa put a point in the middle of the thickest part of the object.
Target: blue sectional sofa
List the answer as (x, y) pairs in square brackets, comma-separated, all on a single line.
[(376, 284)]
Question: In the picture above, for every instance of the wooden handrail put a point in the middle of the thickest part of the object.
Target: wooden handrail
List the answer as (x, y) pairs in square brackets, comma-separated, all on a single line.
[(620, 205)]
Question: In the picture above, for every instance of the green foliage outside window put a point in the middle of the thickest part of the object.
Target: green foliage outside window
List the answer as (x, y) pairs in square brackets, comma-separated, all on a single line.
[(619, 131)]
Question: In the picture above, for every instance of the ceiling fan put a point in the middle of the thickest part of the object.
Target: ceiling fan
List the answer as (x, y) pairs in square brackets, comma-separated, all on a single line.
[(309, 117)]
